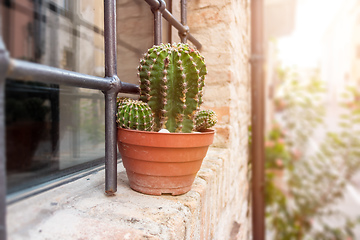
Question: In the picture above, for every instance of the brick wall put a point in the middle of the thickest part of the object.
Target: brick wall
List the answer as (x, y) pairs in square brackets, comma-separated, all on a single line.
[(223, 28)]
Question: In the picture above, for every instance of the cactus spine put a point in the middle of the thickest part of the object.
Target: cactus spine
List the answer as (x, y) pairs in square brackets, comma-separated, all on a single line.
[(205, 119), (133, 114), (171, 82)]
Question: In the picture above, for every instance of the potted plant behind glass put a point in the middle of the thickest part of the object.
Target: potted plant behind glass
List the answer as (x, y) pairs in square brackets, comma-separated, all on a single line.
[(163, 137)]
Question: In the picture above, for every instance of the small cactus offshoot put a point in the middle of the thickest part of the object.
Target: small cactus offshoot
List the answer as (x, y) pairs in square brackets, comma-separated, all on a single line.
[(205, 119), (134, 114), (171, 82)]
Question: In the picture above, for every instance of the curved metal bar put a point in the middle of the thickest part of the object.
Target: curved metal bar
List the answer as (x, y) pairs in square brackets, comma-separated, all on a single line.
[(173, 21)]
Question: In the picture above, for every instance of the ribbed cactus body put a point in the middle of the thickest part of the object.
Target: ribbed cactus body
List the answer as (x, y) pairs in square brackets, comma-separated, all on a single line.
[(171, 82), (205, 119), (133, 114)]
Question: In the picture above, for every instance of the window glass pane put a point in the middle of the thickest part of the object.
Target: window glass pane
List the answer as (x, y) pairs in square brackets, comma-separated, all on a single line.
[(66, 34), (53, 129), (50, 129)]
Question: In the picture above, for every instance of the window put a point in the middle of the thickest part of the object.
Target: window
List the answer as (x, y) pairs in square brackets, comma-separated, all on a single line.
[(48, 129), (56, 78), (53, 129)]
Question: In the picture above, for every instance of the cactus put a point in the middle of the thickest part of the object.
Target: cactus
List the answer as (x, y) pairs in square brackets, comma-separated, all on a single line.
[(133, 114), (205, 119), (171, 82), (122, 100)]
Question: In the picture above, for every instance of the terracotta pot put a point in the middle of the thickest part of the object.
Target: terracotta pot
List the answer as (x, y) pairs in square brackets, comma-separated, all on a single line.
[(162, 163)]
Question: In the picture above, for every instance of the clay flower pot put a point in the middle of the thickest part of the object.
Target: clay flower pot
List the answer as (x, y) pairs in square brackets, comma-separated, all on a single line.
[(162, 163)]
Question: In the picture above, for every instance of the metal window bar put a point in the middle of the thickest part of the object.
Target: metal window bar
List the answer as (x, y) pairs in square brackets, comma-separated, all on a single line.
[(157, 5), (110, 85)]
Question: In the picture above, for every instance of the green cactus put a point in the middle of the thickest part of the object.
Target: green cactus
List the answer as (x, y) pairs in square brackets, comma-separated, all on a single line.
[(133, 114), (205, 119), (171, 82)]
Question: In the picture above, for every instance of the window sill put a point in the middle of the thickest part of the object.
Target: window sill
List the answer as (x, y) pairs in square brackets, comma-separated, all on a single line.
[(81, 210)]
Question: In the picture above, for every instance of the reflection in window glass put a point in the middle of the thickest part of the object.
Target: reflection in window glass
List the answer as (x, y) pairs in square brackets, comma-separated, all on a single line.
[(58, 33), (49, 127)]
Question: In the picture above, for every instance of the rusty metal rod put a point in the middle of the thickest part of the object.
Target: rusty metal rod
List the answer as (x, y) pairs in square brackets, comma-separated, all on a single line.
[(173, 21), (257, 120)]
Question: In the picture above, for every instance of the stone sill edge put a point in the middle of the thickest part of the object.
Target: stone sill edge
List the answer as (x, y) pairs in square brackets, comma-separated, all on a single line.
[(85, 205)]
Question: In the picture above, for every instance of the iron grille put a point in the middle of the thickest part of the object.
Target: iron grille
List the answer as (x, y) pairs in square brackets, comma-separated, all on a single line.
[(110, 85)]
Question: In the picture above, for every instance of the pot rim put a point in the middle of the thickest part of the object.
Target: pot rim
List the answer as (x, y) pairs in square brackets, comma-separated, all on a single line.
[(207, 131), (156, 139)]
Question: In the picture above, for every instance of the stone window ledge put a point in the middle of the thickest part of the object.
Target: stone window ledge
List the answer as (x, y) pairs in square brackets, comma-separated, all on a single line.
[(81, 210)]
